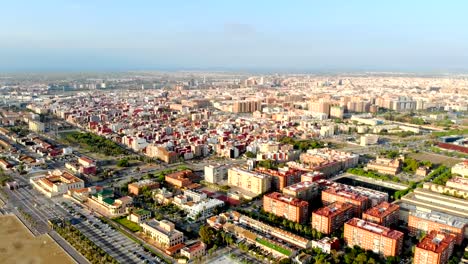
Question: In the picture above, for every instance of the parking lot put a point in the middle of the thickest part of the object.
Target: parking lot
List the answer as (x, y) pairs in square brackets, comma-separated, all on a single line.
[(123, 249)]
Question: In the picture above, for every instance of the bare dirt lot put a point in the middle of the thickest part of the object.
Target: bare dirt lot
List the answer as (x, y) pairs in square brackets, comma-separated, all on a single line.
[(435, 158), (19, 246)]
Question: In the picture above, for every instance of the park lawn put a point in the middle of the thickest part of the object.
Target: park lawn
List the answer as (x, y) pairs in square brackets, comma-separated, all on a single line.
[(134, 227), (274, 247)]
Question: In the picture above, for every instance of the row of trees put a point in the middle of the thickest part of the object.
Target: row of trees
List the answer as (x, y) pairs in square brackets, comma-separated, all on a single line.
[(305, 230), (96, 143), (373, 174), (84, 245), (440, 171), (302, 145)]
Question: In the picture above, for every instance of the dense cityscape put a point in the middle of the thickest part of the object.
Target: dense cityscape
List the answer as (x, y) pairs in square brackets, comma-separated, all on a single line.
[(233, 132), (200, 167)]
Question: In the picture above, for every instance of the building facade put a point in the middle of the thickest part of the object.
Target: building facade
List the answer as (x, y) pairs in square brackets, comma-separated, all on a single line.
[(434, 248), (163, 233), (386, 214), (293, 209), (370, 236), (332, 217)]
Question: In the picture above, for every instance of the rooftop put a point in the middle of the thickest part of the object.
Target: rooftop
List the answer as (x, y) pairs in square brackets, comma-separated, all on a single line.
[(375, 228), (333, 209), (382, 210), (436, 241), (441, 218), (286, 199), (301, 186)]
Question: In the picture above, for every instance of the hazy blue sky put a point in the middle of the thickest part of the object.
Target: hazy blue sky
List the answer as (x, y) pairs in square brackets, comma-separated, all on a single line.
[(417, 35)]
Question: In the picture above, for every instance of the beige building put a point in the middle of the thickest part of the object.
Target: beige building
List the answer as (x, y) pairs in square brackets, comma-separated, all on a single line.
[(56, 183), (194, 251), (461, 169), (385, 166), (305, 190), (163, 233), (249, 181)]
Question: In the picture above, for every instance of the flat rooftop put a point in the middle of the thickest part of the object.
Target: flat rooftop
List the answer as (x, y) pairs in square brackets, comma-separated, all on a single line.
[(375, 228), (441, 218), (382, 210), (333, 209), (436, 242)]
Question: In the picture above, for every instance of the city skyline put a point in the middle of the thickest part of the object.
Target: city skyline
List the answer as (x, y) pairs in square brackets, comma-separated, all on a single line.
[(421, 36)]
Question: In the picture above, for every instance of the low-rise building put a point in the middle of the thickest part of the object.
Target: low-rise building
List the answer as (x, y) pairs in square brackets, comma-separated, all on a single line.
[(386, 214), (332, 217), (434, 248), (461, 168), (136, 187), (458, 183), (139, 216), (194, 251), (328, 161), (163, 233), (370, 236), (56, 183), (326, 244), (105, 203), (385, 165), (293, 209), (180, 178)]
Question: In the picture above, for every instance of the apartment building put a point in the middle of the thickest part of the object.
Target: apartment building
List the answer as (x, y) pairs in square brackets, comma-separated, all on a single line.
[(163, 233), (249, 181), (331, 217), (216, 173), (305, 190), (312, 176), (370, 236), (361, 198), (161, 153), (293, 209), (246, 106), (434, 248), (282, 177), (385, 214), (328, 161), (419, 221), (385, 165)]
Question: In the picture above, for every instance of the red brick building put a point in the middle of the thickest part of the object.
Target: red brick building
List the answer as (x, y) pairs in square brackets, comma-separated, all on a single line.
[(293, 209), (180, 178), (423, 222), (331, 217), (137, 187), (281, 179), (386, 214), (333, 194), (434, 248), (370, 236)]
